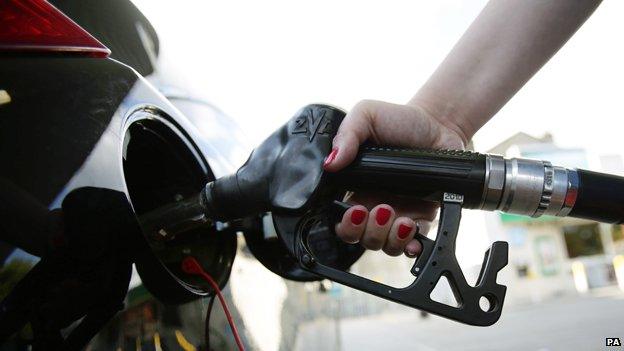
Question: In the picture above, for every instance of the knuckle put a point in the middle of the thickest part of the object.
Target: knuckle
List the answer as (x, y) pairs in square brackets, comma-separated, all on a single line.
[(340, 136), (373, 242), (350, 238), (366, 102), (362, 106), (394, 248), (363, 103), (392, 251), (347, 235), (431, 215)]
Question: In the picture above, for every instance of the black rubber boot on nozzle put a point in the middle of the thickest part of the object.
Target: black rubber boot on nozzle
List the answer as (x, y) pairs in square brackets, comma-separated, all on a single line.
[(283, 173)]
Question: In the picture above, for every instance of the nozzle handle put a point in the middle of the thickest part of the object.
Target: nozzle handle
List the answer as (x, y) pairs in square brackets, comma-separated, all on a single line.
[(421, 173)]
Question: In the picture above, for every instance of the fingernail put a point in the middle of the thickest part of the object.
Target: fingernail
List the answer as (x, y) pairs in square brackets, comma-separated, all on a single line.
[(382, 216), (404, 231), (357, 217), (410, 253), (330, 158)]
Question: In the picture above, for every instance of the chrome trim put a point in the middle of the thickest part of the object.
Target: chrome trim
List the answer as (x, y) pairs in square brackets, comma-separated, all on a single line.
[(560, 187), (486, 180), (494, 182), (571, 193), (547, 190), (528, 187), (524, 185)]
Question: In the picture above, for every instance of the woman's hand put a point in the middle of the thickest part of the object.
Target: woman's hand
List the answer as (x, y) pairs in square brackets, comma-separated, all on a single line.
[(506, 44), (380, 221)]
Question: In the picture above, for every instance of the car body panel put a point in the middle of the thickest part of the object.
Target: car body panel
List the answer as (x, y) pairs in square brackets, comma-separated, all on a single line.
[(64, 136)]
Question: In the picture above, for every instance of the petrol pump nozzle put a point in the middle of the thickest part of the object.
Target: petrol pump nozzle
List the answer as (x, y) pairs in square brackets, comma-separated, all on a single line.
[(284, 176)]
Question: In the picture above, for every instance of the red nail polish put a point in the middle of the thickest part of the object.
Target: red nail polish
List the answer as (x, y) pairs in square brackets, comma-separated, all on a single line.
[(330, 158), (357, 217), (382, 216), (404, 231)]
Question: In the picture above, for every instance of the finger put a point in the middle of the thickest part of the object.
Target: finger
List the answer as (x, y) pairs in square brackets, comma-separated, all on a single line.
[(390, 124), (377, 227), (401, 232), (382, 123), (353, 223), (353, 131), (423, 226), (403, 206), (414, 247)]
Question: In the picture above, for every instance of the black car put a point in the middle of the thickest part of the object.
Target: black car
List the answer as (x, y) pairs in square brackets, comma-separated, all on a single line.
[(87, 146)]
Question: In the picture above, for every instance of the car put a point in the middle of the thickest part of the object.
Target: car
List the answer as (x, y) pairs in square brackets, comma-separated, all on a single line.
[(88, 146)]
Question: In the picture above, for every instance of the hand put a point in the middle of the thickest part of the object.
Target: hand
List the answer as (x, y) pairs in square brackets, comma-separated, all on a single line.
[(388, 222)]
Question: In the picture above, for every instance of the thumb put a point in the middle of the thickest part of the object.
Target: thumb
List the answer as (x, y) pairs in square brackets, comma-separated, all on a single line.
[(353, 131)]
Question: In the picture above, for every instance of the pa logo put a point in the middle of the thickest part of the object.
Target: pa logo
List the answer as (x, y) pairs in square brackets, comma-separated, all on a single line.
[(312, 123), (613, 342)]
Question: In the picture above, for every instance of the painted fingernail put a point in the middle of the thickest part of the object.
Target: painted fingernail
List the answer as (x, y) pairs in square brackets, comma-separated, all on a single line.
[(404, 231), (382, 216), (357, 217), (330, 158)]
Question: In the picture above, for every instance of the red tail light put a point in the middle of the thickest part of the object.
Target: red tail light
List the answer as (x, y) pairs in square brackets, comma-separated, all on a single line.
[(38, 26)]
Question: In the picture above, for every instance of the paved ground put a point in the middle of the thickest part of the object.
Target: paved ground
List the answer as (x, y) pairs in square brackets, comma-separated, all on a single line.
[(573, 323)]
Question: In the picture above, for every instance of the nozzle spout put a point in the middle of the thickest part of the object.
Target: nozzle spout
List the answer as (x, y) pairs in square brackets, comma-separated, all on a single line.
[(165, 222)]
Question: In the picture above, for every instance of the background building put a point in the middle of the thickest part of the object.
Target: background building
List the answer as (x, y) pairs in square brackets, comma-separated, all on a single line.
[(551, 256)]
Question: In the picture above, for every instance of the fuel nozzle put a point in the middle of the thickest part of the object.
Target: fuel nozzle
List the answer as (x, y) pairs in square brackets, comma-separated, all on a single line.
[(164, 223), (284, 176)]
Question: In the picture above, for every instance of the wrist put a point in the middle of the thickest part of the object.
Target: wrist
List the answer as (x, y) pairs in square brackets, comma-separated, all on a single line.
[(447, 116)]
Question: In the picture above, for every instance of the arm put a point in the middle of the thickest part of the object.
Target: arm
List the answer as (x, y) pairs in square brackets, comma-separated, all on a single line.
[(504, 47)]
